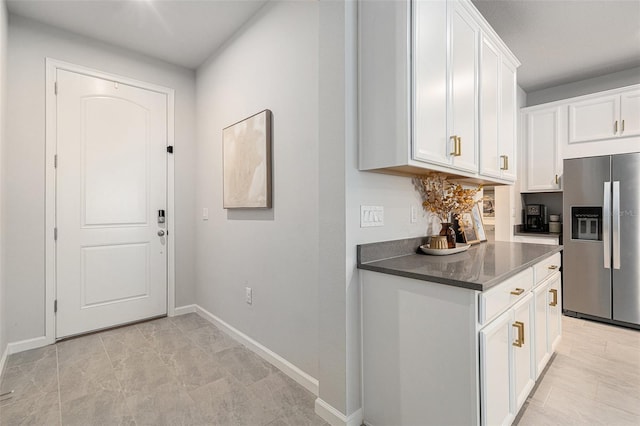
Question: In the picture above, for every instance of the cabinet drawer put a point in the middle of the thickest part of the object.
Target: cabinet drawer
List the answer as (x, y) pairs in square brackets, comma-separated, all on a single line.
[(547, 267), (496, 300)]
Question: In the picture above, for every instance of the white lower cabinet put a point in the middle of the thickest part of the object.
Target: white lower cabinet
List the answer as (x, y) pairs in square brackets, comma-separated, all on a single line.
[(548, 320), (506, 369), (435, 354)]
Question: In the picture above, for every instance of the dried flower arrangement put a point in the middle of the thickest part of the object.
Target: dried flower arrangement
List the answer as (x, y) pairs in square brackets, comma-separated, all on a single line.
[(443, 198)]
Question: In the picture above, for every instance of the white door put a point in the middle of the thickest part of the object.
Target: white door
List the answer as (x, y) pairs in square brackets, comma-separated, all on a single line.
[(111, 180), (594, 119), (554, 318), (523, 369), (489, 108), (541, 354), (464, 91), (630, 113), (542, 142), (508, 121), (495, 348)]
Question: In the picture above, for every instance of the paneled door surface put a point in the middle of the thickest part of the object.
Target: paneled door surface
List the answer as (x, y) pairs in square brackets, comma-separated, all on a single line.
[(111, 180)]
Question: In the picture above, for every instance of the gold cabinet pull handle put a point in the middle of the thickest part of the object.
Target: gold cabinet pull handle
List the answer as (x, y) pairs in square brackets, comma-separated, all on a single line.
[(505, 162), (615, 127), (553, 266), (622, 129), (520, 340), (455, 145), (554, 293), (459, 146), (556, 179), (517, 291)]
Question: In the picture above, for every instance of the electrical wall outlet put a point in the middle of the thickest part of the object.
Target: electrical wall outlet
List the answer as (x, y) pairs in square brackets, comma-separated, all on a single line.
[(414, 214), (248, 295)]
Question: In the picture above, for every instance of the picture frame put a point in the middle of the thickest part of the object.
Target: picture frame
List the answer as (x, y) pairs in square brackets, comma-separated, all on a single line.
[(246, 163), (478, 224), (467, 230)]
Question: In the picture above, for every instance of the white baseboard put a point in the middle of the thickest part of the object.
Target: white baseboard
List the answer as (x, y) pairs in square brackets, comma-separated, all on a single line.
[(335, 417), (304, 379), (25, 345), (3, 359), (181, 310)]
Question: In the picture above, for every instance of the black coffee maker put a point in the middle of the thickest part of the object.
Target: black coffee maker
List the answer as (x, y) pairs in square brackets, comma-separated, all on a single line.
[(536, 218)]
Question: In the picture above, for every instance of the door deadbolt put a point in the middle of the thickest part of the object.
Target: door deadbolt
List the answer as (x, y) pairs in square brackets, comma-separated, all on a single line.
[(160, 216)]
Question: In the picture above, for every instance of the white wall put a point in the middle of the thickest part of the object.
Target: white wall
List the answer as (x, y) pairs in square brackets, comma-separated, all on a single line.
[(271, 63), (584, 87), (3, 69), (23, 183)]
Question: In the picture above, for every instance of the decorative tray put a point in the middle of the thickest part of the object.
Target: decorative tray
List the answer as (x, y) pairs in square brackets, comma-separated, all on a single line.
[(443, 252)]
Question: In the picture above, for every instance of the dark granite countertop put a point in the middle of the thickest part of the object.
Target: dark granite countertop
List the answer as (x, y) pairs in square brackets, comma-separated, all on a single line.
[(479, 268)]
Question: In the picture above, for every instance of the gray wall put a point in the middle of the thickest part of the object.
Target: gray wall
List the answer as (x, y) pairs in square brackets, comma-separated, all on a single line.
[(585, 87), (3, 69), (270, 63), (23, 149)]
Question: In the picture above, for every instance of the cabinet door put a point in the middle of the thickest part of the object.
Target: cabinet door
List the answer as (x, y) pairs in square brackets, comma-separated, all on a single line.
[(430, 137), (495, 349), (594, 119), (489, 108), (542, 150), (508, 121), (630, 113), (541, 352), (464, 91), (554, 313), (523, 369)]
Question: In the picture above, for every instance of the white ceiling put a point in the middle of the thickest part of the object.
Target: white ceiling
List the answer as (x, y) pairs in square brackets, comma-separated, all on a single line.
[(562, 41), (557, 41), (183, 32)]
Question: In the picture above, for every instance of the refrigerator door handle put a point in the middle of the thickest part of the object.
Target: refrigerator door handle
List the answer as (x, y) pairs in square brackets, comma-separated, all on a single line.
[(616, 225), (606, 216)]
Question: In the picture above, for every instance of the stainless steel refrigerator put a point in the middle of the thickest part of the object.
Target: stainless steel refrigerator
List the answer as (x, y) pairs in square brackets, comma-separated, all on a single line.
[(601, 238)]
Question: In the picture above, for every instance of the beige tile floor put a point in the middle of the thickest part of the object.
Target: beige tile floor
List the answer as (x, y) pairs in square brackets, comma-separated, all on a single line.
[(594, 379), (170, 371)]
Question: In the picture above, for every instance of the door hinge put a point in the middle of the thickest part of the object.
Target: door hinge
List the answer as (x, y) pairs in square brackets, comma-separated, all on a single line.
[(55, 234), (55, 88), (55, 161), (55, 306), (170, 149)]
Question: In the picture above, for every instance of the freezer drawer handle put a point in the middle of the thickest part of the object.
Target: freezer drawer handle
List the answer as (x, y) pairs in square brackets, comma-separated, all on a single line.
[(554, 293), (520, 340), (553, 267), (517, 291)]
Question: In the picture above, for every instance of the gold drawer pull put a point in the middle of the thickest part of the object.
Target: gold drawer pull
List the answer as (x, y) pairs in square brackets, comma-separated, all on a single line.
[(517, 291), (554, 293), (520, 340), (553, 266)]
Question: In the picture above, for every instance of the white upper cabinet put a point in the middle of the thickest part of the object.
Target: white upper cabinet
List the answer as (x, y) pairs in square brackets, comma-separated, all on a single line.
[(464, 90), (630, 113), (420, 89), (604, 117), (498, 113), (543, 160), (431, 139)]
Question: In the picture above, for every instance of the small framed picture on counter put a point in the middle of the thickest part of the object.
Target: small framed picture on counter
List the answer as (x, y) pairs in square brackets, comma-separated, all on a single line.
[(478, 225), (468, 230)]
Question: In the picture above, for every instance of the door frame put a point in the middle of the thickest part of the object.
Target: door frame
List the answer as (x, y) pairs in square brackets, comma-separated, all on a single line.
[(52, 65)]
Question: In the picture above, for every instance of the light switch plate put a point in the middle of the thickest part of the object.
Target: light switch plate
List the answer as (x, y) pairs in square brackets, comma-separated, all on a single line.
[(205, 214), (414, 214), (371, 216)]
